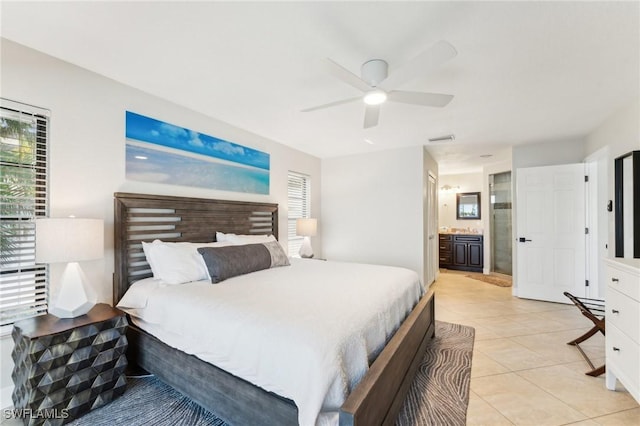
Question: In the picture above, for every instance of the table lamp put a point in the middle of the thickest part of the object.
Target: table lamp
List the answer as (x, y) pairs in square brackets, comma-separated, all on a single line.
[(70, 240), (306, 228)]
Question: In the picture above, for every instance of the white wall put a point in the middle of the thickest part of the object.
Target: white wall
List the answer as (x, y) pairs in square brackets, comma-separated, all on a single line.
[(372, 208), (466, 182), (620, 132), (548, 153), (618, 135), (87, 151)]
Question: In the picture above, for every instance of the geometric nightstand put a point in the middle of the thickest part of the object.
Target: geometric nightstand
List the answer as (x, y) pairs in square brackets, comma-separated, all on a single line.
[(65, 367)]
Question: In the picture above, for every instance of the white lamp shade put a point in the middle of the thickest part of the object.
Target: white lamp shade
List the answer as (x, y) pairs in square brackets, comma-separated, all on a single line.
[(69, 240), (306, 227)]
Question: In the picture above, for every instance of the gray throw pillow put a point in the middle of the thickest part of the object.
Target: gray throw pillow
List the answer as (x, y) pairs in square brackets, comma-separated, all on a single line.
[(231, 261), (278, 256)]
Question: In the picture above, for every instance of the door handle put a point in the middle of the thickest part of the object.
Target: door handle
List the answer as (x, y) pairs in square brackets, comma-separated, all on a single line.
[(523, 240)]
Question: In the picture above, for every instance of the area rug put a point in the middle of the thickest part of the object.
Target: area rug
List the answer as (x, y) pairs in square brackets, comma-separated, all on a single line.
[(439, 394), (500, 281)]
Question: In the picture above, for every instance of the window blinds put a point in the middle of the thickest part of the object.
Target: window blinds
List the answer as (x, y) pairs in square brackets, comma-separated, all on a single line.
[(298, 190), (23, 197)]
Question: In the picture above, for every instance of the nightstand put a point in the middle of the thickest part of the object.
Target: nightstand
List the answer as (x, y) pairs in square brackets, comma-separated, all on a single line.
[(65, 367)]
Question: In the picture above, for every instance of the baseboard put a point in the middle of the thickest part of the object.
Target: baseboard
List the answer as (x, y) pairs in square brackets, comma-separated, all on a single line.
[(5, 397)]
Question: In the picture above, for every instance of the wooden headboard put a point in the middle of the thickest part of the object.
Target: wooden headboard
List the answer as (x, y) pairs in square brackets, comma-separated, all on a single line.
[(143, 217)]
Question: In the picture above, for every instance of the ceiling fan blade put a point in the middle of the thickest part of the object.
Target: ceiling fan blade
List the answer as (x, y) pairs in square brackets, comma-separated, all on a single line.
[(346, 76), (419, 98), (371, 114), (331, 104), (431, 58)]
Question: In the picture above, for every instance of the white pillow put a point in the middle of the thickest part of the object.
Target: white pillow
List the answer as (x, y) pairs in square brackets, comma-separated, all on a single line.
[(244, 239), (177, 263), (138, 293)]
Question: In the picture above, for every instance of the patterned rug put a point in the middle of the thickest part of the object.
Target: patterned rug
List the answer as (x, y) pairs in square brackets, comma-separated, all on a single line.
[(495, 279), (439, 394)]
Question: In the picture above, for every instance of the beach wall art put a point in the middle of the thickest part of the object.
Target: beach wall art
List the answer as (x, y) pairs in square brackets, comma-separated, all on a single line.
[(160, 152)]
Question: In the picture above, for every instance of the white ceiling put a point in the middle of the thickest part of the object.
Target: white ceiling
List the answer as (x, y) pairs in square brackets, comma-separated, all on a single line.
[(525, 71)]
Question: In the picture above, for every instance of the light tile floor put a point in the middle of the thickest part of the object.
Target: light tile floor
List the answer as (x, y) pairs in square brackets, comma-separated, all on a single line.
[(523, 372)]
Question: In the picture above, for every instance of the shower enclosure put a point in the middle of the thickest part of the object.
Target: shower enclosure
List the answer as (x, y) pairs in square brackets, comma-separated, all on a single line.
[(500, 216)]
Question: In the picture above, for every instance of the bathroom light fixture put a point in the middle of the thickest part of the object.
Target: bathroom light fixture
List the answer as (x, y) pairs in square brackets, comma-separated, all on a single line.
[(375, 97), (445, 138), (449, 188)]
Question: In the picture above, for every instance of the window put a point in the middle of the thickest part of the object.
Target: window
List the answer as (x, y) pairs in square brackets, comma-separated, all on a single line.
[(23, 197), (298, 189)]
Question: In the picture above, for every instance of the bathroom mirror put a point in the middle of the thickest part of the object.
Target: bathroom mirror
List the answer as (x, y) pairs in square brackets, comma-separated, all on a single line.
[(627, 205), (468, 205)]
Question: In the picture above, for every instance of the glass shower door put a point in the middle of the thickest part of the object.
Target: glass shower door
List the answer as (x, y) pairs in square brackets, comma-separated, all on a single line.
[(500, 210)]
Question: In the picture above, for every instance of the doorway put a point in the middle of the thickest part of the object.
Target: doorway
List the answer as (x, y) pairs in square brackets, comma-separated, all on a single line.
[(432, 229), (500, 217)]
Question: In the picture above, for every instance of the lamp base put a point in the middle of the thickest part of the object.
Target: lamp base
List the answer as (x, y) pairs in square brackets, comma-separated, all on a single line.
[(306, 251), (75, 297)]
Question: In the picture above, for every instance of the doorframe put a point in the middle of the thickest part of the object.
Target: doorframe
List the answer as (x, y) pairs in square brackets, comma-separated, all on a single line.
[(432, 228), (597, 168), (491, 217), (502, 167)]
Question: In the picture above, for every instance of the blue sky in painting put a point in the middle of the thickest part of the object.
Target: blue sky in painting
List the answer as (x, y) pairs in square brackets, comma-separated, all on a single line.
[(147, 129)]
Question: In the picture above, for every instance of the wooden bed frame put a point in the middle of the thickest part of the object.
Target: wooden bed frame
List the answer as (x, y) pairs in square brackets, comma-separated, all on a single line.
[(138, 217)]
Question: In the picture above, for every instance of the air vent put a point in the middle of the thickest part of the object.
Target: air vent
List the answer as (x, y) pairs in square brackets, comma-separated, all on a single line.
[(443, 138)]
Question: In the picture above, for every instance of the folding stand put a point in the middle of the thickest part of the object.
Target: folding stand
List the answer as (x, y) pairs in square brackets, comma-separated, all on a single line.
[(594, 310)]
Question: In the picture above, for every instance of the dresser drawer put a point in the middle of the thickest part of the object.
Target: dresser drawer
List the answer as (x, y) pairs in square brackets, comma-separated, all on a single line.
[(623, 313), (445, 237), (467, 238), (624, 282), (446, 258), (445, 246), (622, 359)]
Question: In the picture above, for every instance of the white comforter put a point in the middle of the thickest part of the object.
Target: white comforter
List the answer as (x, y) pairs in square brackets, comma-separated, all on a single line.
[(306, 331)]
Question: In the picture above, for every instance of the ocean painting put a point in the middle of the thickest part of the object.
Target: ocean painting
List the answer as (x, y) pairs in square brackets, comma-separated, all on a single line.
[(165, 153)]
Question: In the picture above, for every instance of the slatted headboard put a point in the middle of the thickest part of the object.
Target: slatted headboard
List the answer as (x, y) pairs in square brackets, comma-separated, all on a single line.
[(143, 217)]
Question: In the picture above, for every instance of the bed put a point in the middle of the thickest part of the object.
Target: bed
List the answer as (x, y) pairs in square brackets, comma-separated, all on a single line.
[(375, 400)]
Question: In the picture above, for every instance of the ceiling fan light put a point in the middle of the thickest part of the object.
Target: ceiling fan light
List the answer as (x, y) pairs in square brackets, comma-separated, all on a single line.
[(375, 97)]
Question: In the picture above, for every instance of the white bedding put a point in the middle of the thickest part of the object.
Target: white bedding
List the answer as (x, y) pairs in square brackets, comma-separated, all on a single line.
[(306, 332)]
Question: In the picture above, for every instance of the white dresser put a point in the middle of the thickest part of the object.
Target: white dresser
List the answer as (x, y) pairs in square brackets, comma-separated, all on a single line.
[(623, 324)]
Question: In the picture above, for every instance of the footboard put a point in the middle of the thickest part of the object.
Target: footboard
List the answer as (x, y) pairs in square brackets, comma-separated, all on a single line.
[(234, 400), (378, 398)]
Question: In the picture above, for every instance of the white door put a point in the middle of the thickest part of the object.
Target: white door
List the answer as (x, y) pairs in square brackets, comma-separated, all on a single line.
[(432, 225), (550, 237)]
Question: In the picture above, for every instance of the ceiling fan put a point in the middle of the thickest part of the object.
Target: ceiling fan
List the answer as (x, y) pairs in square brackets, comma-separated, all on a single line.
[(374, 72)]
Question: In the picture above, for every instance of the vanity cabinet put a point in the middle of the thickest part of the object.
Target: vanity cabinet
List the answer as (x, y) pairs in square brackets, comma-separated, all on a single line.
[(446, 250), (623, 325), (461, 252)]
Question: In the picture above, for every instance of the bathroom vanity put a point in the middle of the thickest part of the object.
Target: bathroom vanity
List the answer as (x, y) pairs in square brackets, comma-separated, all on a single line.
[(461, 251)]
